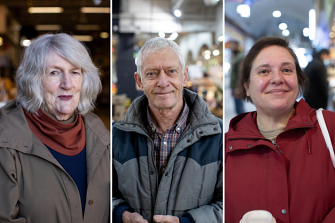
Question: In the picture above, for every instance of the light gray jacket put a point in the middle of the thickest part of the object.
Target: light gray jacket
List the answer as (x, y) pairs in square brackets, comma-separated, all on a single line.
[(35, 188), (192, 182)]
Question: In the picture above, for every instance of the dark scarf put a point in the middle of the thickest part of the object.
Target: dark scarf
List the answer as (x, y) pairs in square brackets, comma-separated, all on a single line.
[(67, 139)]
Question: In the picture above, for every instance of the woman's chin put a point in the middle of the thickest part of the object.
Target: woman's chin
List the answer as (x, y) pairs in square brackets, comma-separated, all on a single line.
[(63, 115), (281, 108)]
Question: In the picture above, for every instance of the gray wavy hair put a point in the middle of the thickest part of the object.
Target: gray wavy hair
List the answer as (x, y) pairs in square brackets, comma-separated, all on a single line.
[(154, 45), (33, 67)]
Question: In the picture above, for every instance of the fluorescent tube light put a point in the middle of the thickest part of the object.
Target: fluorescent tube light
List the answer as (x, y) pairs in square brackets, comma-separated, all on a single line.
[(95, 10), (312, 22), (48, 27), (45, 10), (83, 38)]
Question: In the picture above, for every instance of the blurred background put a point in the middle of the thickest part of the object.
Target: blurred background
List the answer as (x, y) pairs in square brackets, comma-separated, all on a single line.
[(307, 24), (195, 25), (86, 20)]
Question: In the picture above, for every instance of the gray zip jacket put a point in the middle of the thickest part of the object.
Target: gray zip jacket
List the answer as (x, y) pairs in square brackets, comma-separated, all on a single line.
[(35, 188), (192, 181)]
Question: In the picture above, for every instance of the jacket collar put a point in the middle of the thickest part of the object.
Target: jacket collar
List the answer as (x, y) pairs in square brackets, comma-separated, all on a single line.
[(16, 134), (244, 125), (199, 113), (94, 123)]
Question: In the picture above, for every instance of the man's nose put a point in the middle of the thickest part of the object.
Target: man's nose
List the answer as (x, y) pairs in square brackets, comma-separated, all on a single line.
[(162, 79)]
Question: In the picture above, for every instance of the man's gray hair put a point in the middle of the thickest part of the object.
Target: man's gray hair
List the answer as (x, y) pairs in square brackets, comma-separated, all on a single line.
[(155, 44), (33, 67)]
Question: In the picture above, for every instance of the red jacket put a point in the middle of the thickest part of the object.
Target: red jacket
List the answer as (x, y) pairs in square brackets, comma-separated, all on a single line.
[(294, 179)]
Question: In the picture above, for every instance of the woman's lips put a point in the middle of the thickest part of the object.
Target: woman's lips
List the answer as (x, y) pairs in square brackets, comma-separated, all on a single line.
[(275, 91), (65, 97)]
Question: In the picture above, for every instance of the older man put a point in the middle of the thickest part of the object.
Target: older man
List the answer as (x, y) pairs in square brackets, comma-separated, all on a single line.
[(167, 151)]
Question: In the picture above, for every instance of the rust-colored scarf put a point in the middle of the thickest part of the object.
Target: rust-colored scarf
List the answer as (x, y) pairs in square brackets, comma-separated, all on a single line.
[(67, 139)]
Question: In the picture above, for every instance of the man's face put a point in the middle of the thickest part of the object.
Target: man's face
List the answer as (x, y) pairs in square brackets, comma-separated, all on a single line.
[(325, 56), (162, 79)]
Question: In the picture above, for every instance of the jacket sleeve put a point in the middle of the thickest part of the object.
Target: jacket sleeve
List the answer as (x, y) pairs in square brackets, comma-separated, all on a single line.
[(119, 204), (213, 212), (9, 192)]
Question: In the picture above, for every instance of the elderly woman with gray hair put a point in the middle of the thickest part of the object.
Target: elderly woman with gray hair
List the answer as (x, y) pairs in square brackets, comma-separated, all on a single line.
[(54, 152)]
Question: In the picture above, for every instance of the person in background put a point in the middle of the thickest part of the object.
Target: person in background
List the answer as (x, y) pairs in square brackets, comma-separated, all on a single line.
[(235, 73), (167, 151), (317, 91), (54, 152), (276, 158)]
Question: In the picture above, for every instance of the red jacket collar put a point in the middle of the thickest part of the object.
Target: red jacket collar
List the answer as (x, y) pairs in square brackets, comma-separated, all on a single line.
[(244, 125)]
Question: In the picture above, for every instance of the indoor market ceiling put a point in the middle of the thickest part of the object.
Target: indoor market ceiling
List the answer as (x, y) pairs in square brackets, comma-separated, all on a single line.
[(295, 13), (68, 20)]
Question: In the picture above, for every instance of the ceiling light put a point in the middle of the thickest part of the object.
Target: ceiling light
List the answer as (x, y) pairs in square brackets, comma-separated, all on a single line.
[(95, 10), (243, 10), (216, 52), (207, 56), (87, 27), (285, 32), (48, 27), (312, 22), (220, 38), (282, 26), (45, 10), (207, 52), (173, 36), (83, 38), (305, 32), (276, 14), (177, 13), (26, 42), (161, 34), (104, 35)]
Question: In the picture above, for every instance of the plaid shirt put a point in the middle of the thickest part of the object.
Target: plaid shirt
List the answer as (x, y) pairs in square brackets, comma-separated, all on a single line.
[(164, 143)]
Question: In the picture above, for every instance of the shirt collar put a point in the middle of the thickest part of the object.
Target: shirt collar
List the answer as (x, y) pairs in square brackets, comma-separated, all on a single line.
[(180, 124)]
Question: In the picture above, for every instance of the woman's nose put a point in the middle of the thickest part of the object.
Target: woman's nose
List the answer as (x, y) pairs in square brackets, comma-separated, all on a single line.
[(66, 82), (276, 76)]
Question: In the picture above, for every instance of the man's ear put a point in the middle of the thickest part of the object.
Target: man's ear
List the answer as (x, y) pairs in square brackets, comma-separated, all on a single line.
[(138, 80), (185, 77)]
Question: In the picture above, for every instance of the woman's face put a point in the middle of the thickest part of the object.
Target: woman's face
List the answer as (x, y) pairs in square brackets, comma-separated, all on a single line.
[(62, 85), (273, 85)]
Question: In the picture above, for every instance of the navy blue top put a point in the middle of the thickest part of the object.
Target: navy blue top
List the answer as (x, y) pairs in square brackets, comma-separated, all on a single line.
[(75, 166)]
